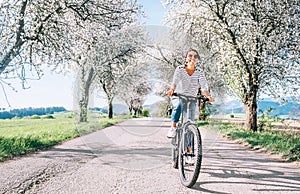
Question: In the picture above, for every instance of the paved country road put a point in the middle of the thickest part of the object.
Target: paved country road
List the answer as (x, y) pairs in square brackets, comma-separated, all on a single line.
[(134, 157)]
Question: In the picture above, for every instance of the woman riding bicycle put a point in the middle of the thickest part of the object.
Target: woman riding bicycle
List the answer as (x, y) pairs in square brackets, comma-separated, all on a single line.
[(187, 79)]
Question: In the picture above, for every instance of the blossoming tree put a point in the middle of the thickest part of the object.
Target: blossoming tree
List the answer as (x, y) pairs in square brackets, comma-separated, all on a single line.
[(256, 44)]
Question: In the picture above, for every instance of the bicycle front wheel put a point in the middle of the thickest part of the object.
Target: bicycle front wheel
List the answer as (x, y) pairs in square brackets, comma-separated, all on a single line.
[(190, 155), (175, 152)]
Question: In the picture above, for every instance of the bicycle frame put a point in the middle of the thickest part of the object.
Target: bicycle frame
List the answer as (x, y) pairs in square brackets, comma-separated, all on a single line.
[(186, 132), (186, 103), (184, 121)]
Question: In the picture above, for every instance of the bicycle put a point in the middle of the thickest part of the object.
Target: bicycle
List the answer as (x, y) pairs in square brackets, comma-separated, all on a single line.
[(187, 143)]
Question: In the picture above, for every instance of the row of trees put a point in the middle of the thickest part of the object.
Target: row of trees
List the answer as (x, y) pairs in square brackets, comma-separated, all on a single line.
[(29, 112), (108, 55), (100, 40), (249, 48)]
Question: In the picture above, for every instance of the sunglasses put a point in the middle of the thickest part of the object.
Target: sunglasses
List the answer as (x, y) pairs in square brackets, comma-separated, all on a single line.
[(195, 56)]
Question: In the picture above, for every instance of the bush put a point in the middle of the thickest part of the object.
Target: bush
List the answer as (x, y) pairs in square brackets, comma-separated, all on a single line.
[(295, 153), (35, 117), (146, 112), (48, 117), (103, 116), (231, 116), (265, 120)]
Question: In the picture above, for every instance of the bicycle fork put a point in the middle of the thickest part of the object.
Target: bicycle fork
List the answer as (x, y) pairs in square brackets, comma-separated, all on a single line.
[(188, 142), (176, 140)]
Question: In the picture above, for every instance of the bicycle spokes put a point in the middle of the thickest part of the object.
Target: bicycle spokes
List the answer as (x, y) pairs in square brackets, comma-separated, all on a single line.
[(190, 153)]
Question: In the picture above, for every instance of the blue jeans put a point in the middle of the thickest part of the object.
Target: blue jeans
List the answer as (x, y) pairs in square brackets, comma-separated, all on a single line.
[(179, 106)]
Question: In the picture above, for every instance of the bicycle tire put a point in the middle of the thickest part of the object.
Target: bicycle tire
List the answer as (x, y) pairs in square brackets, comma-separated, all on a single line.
[(175, 146), (185, 180), (175, 158)]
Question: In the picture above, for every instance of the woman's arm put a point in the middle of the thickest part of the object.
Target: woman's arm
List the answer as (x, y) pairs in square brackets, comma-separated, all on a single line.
[(171, 91), (204, 87), (176, 79), (207, 94)]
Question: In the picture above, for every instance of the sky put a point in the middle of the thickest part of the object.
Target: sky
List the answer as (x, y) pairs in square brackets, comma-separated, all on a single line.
[(57, 89), (154, 11)]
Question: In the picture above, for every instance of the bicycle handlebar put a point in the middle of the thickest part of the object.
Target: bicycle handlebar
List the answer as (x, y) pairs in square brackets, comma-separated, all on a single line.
[(203, 98)]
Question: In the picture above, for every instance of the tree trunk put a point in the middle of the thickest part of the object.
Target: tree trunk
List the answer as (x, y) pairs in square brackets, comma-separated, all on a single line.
[(130, 109), (140, 110), (202, 114), (110, 109), (251, 112), (83, 103)]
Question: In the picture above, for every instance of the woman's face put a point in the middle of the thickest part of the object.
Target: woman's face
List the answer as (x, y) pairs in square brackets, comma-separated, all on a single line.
[(192, 57)]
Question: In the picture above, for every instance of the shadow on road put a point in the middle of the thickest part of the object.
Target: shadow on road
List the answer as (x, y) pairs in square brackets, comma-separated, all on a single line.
[(227, 165)]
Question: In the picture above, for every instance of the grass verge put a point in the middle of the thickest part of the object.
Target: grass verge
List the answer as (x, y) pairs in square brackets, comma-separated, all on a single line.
[(285, 143), (26, 135)]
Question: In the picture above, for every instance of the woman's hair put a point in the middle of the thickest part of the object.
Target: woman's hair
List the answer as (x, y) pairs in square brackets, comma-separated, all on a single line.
[(191, 49)]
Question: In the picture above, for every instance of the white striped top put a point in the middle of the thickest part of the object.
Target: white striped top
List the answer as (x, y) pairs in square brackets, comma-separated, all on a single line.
[(188, 85)]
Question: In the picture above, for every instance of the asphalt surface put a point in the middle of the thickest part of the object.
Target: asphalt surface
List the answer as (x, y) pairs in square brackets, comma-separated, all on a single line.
[(135, 157)]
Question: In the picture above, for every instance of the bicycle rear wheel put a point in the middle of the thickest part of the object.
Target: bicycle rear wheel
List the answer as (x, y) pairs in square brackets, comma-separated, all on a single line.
[(189, 172)]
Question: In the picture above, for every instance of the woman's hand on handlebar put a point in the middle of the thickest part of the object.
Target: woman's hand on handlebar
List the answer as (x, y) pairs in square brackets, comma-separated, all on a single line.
[(210, 99), (170, 92)]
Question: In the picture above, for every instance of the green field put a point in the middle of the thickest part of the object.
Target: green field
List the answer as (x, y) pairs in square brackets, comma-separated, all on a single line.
[(21, 136), (26, 135), (285, 143)]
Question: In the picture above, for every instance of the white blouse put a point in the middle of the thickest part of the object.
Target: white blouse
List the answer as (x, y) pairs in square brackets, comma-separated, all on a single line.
[(188, 85)]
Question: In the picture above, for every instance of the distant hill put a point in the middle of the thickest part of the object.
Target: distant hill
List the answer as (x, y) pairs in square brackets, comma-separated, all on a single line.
[(288, 110), (118, 109), (153, 108), (291, 108)]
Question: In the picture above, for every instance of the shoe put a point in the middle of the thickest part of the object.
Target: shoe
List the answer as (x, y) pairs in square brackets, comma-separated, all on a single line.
[(189, 160), (171, 132)]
